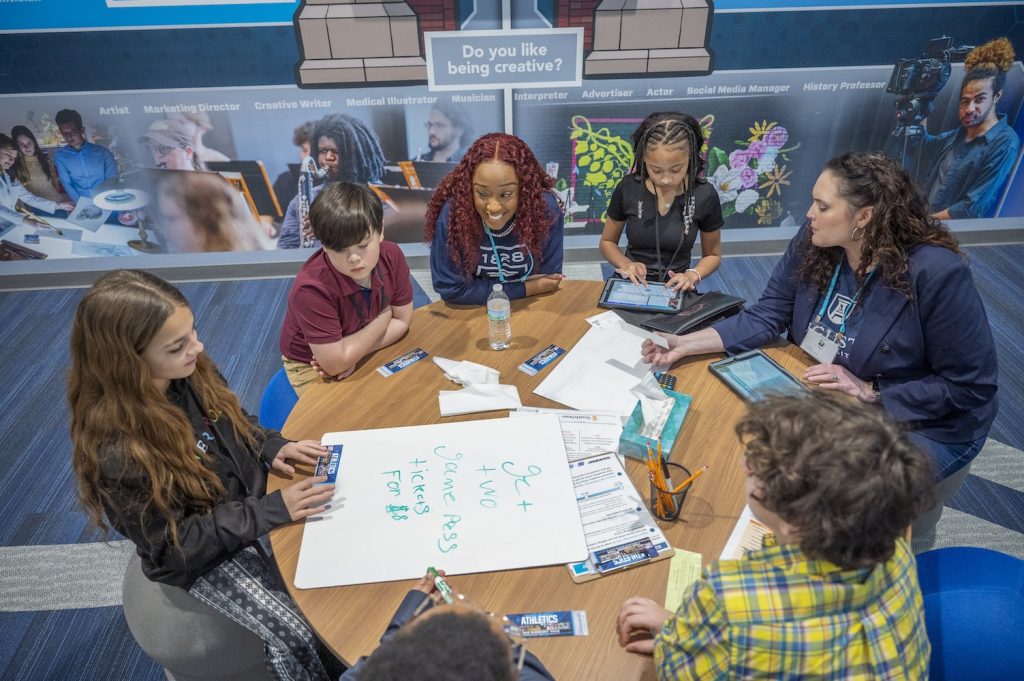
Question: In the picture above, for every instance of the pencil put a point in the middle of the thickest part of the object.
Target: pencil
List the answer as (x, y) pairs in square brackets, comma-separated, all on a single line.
[(40, 221), (684, 483)]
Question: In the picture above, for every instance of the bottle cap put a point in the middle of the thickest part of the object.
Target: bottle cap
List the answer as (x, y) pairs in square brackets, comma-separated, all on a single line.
[(496, 287)]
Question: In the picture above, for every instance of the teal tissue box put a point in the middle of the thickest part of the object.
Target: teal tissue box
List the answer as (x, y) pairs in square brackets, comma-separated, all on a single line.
[(631, 443)]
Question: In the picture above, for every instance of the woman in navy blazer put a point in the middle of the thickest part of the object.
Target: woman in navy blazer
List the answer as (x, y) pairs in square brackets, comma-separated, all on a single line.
[(873, 273)]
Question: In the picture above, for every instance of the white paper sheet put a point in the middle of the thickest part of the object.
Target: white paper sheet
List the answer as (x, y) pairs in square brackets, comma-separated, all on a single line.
[(475, 398), (598, 373), (584, 434)]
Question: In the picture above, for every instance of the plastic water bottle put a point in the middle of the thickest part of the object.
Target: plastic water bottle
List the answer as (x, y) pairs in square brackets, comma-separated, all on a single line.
[(499, 319)]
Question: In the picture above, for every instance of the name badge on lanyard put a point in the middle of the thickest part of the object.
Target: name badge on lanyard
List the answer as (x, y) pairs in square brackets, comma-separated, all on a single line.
[(819, 346)]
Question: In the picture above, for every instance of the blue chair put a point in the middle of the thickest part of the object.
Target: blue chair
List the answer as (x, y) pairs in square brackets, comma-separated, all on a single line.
[(974, 612), (278, 399)]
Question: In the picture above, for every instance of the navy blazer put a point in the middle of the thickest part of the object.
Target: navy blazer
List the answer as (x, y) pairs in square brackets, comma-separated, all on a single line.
[(933, 355)]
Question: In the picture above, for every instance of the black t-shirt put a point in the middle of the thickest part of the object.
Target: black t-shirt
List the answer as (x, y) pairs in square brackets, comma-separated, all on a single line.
[(635, 205)]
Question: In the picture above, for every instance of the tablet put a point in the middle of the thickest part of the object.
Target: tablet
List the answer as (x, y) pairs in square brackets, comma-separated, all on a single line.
[(754, 376), (625, 295)]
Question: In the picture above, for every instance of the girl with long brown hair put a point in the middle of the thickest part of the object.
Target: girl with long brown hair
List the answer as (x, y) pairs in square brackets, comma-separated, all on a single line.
[(164, 453), (494, 219)]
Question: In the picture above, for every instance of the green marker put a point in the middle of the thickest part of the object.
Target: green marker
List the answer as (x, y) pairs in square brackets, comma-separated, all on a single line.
[(442, 586)]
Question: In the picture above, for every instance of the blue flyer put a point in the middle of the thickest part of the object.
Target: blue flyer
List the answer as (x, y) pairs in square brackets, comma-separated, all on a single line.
[(328, 465), (556, 623), (396, 365), (538, 362)]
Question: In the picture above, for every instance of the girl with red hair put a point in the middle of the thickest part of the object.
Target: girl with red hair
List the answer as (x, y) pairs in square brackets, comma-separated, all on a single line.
[(494, 219)]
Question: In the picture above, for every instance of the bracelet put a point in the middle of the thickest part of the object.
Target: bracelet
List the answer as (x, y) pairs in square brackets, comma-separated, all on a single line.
[(699, 278)]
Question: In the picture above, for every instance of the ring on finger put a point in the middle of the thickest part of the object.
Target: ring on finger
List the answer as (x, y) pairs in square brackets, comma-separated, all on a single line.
[(835, 378)]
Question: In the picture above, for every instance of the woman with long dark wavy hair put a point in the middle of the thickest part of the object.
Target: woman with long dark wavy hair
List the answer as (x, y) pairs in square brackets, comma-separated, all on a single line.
[(164, 453), (494, 219), (34, 168), (878, 292)]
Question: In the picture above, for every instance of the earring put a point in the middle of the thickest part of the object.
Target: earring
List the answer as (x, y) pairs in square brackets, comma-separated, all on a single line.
[(854, 236)]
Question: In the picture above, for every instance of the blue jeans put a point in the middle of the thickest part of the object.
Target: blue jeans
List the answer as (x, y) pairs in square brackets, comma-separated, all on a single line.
[(948, 457)]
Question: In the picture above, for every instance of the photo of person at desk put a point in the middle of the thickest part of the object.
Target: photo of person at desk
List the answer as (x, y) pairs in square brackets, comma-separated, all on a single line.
[(34, 168), (12, 191), (81, 165), (448, 129), (494, 219), (663, 205), (351, 297), (348, 150), (833, 592), (969, 165), (877, 291)]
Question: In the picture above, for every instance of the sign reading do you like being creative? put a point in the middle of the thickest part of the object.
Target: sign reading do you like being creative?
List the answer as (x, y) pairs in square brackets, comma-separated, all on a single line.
[(460, 60)]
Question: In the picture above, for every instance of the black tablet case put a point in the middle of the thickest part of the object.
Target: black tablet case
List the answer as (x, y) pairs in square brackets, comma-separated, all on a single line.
[(699, 311)]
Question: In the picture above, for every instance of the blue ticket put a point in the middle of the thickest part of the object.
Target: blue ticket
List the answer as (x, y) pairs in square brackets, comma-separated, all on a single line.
[(328, 465), (396, 365), (31, 238), (535, 364), (624, 555), (557, 623)]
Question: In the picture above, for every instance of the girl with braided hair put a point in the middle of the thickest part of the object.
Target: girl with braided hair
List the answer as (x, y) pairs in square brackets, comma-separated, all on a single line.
[(663, 204), (878, 293), (967, 167), (493, 219)]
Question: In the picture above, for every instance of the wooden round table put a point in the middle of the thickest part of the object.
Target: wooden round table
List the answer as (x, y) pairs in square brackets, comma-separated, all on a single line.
[(351, 619)]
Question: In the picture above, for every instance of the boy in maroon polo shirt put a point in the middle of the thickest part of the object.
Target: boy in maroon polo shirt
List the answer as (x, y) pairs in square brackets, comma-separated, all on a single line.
[(352, 297)]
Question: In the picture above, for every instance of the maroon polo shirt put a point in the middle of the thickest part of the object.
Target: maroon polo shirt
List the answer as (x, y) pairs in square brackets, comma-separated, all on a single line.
[(325, 305)]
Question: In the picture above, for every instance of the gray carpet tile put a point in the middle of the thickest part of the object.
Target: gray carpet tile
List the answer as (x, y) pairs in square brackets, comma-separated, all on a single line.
[(956, 528)]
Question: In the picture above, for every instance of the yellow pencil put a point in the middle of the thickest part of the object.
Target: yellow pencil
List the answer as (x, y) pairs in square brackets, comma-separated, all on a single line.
[(684, 483)]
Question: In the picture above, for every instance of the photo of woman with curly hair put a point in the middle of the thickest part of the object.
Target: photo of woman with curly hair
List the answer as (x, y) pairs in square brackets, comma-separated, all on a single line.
[(34, 168), (494, 219)]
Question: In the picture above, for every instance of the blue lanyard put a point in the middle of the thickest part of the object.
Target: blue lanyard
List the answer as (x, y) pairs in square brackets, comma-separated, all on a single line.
[(853, 301), (497, 259)]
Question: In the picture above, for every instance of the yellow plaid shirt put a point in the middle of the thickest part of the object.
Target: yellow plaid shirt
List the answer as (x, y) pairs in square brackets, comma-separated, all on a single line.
[(775, 614)]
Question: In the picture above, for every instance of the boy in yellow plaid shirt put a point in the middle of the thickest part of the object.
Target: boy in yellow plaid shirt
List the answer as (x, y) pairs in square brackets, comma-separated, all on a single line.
[(833, 593)]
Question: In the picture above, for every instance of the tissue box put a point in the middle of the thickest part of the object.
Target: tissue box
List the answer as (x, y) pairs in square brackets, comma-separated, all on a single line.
[(633, 445)]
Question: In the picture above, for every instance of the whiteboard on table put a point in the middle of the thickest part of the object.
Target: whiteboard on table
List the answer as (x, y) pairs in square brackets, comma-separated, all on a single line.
[(466, 497)]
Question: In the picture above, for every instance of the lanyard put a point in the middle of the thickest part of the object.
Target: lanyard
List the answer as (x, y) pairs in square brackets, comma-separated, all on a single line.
[(853, 301), (497, 258)]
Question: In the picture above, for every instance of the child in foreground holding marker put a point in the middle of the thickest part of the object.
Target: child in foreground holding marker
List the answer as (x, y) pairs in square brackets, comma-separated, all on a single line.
[(433, 639), (834, 592), (352, 297)]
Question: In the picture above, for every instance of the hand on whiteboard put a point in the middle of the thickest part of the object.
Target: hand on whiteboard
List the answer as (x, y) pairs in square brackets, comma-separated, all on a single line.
[(640, 620), (305, 498), (303, 451)]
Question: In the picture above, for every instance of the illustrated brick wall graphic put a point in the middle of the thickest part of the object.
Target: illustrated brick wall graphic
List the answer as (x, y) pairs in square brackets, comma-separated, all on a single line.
[(347, 42), (641, 37)]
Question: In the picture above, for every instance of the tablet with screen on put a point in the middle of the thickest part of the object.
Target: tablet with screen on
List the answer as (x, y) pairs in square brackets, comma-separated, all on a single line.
[(623, 294), (754, 376)]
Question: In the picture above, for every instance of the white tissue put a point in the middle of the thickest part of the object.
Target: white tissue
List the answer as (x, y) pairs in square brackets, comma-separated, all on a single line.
[(655, 405)]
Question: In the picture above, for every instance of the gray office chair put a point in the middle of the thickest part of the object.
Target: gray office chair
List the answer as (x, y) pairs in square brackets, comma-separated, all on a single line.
[(189, 639)]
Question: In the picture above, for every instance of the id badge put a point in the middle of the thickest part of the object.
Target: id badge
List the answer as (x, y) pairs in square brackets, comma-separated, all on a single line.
[(819, 346)]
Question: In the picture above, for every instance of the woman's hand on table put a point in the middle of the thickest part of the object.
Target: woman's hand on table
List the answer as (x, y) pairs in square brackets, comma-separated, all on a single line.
[(305, 497), (663, 357), (640, 620), (545, 283), (303, 451), (835, 377)]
